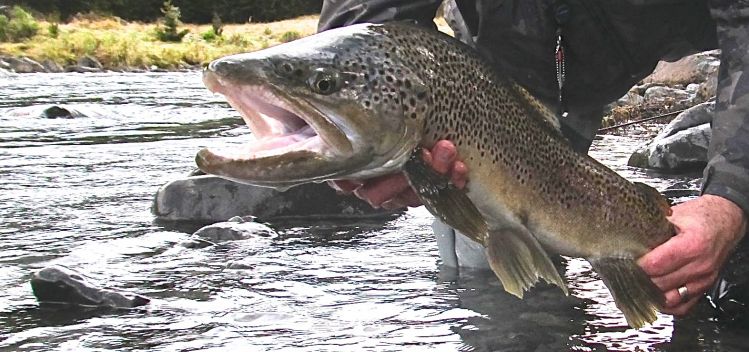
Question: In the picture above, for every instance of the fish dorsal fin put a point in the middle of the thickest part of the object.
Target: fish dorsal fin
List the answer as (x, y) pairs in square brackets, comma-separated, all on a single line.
[(444, 200), (656, 197), (537, 107), (519, 261)]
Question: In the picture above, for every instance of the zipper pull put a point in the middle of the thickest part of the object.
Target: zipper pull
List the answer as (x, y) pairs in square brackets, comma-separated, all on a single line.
[(561, 15)]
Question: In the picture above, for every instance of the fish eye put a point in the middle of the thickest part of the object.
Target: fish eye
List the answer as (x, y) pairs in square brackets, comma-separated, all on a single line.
[(325, 82)]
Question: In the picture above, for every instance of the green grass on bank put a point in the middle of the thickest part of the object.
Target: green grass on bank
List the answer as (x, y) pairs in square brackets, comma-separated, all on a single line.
[(120, 45)]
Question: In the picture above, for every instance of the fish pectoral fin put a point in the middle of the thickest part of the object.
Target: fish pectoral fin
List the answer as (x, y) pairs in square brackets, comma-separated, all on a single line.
[(443, 200), (633, 291), (519, 261)]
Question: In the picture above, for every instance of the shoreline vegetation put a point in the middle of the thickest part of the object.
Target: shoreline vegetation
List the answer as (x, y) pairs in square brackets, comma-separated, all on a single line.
[(109, 43), (93, 42)]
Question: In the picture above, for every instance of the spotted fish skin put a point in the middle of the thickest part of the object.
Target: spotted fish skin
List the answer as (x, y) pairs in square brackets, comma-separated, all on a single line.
[(528, 191)]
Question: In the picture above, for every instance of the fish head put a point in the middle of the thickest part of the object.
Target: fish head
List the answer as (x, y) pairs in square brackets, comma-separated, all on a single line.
[(340, 104)]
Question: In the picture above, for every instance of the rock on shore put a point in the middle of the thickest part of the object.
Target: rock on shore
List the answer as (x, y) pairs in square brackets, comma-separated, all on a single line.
[(681, 145)]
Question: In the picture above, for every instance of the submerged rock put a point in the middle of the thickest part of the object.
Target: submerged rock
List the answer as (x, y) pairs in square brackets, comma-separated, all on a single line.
[(210, 199), (60, 285), (60, 111), (236, 229), (681, 145)]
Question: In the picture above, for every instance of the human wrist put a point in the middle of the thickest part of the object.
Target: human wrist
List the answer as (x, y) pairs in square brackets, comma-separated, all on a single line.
[(728, 215)]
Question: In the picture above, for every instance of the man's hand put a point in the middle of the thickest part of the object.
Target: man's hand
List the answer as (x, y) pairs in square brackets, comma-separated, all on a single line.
[(393, 191), (708, 229)]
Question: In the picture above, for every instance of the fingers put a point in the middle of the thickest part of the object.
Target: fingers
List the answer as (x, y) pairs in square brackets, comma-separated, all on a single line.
[(407, 198), (682, 308), (443, 158), (344, 186), (394, 191), (459, 175), (380, 189), (673, 254), (695, 289)]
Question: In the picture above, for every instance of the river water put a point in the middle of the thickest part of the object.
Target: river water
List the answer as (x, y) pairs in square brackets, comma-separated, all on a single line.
[(78, 192)]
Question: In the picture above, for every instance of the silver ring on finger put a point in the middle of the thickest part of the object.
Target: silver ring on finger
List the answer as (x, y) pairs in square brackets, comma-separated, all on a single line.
[(683, 293)]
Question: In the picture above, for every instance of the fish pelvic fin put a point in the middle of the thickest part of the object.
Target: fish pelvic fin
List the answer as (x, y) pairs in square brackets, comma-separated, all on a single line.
[(633, 291), (519, 261), (443, 200)]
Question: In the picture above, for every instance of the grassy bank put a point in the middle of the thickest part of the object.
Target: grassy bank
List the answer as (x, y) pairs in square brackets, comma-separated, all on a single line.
[(120, 45)]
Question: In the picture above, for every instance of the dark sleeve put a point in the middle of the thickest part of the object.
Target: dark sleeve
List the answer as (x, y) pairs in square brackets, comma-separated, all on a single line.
[(339, 13), (727, 172)]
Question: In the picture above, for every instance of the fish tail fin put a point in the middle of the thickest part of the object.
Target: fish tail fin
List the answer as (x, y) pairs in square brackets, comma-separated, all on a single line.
[(634, 293), (519, 261)]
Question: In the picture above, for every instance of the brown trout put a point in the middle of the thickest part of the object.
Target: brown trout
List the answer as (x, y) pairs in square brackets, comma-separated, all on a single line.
[(356, 102)]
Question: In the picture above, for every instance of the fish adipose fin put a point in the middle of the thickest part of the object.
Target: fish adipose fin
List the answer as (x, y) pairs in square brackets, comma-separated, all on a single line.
[(519, 261), (445, 201), (634, 293)]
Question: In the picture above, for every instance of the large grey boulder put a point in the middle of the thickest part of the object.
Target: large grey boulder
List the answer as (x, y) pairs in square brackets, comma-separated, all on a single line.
[(695, 68), (209, 199), (681, 145), (61, 285)]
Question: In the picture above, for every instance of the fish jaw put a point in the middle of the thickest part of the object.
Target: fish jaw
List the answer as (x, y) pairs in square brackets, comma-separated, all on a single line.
[(292, 142)]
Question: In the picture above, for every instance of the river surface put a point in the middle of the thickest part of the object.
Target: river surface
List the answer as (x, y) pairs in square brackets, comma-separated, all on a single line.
[(78, 192)]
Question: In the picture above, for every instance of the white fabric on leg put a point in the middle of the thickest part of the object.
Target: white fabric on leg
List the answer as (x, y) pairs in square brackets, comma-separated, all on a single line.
[(471, 254), (445, 243), (458, 251)]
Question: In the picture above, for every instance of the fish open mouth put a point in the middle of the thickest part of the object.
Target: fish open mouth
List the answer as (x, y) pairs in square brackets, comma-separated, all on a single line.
[(292, 140), (279, 125)]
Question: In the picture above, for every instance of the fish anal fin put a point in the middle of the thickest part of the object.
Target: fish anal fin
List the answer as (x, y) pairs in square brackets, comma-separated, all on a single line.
[(633, 291), (519, 261), (445, 201), (656, 197)]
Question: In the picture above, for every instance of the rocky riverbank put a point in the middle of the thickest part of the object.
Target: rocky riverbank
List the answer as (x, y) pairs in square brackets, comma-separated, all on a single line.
[(85, 64), (687, 86)]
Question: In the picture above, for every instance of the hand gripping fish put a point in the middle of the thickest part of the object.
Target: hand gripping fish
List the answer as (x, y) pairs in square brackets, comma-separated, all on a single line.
[(356, 102)]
